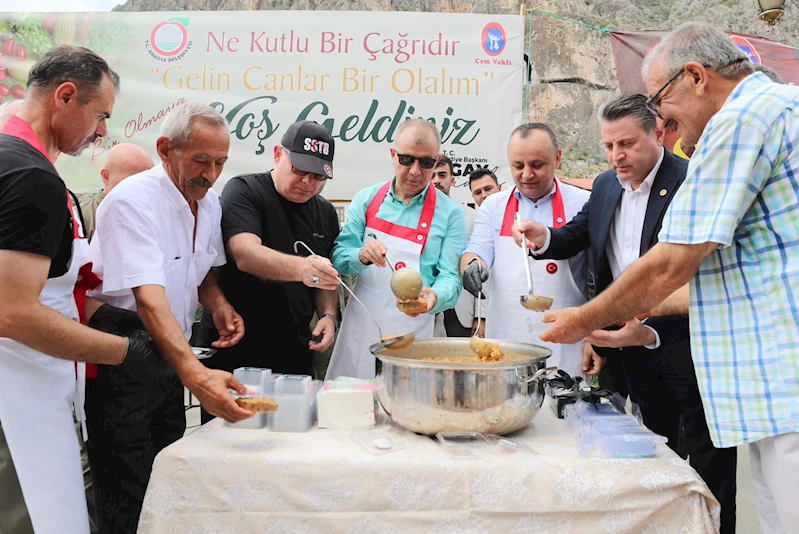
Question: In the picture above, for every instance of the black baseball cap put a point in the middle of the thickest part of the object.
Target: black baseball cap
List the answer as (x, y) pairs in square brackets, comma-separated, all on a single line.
[(311, 147)]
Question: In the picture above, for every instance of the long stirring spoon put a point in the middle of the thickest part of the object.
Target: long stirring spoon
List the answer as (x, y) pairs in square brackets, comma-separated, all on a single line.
[(480, 346), (390, 342)]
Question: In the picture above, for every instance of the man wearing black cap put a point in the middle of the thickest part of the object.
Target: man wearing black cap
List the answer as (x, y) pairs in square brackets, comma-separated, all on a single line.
[(275, 289)]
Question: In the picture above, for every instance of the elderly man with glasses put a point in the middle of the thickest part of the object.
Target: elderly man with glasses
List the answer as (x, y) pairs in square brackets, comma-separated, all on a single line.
[(404, 222), (732, 232), (275, 285)]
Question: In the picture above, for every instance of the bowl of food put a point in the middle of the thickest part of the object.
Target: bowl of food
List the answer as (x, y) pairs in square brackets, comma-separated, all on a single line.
[(441, 385)]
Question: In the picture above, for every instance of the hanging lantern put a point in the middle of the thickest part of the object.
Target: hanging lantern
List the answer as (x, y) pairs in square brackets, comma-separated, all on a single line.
[(770, 11)]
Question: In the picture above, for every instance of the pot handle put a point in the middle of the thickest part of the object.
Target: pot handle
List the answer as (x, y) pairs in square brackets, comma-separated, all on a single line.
[(541, 373)]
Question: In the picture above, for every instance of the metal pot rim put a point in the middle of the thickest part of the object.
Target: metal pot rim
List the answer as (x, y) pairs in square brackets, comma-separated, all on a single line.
[(525, 354)]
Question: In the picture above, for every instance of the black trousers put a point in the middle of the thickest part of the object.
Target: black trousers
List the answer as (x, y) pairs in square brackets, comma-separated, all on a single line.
[(612, 377), (663, 384), (453, 326), (129, 424)]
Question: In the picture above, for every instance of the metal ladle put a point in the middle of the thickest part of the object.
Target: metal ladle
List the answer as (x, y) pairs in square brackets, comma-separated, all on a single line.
[(531, 301), (395, 342), (390, 266), (480, 346)]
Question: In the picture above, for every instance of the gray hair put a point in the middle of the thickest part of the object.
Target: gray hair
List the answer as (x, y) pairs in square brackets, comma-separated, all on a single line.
[(768, 71), (74, 64), (423, 129), (629, 105), (700, 42), (178, 122), (524, 130)]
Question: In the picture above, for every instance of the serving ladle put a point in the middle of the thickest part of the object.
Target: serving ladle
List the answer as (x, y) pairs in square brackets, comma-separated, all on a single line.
[(480, 346), (531, 301), (394, 342)]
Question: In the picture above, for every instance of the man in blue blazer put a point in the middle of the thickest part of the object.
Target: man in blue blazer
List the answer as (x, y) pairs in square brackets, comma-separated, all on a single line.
[(619, 223)]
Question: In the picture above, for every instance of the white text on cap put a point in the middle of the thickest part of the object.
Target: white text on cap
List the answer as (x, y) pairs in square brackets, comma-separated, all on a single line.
[(319, 147)]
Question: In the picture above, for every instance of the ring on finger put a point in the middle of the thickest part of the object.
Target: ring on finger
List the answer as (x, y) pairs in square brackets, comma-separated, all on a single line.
[(315, 279)]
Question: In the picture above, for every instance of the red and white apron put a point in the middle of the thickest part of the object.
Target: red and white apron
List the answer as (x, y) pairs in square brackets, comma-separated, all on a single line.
[(506, 318), (37, 393), (351, 356)]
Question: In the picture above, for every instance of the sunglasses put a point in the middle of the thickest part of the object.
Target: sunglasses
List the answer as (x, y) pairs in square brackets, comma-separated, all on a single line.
[(650, 102), (425, 163), (298, 172)]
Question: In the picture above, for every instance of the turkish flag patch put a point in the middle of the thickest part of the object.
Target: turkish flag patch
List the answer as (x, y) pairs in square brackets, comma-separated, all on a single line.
[(552, 268)]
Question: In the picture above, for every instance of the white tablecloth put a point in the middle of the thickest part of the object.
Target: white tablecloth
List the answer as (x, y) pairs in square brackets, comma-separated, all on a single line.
[(223, 480)]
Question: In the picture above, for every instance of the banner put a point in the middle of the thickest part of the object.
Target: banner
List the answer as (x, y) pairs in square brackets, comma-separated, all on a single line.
[(630, 48), (359, 74)]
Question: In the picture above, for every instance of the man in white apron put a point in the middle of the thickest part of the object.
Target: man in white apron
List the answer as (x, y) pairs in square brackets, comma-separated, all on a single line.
[(71, 93), (534, 156), (415, 226)]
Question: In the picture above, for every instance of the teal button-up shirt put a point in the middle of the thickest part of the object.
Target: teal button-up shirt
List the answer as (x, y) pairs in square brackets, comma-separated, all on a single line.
[(440, 259)]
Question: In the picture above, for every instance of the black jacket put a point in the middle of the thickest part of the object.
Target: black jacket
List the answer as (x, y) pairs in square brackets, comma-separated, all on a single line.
[(591, 229)]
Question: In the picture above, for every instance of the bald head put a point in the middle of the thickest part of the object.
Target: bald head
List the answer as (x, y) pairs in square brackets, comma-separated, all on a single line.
[(417, 132), (8, 110), (123, 160)]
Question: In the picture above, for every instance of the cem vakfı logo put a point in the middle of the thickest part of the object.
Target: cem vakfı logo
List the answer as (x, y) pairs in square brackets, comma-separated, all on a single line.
[(748, 48), (169, 40), (493, 39)]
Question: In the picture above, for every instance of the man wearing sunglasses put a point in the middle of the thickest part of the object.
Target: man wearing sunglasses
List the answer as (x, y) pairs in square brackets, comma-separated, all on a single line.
[(731, 231), (410, 223), (275, 289)]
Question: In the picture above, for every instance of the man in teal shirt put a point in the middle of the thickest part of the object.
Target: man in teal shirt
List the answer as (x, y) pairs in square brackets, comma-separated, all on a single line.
[(406, 222)]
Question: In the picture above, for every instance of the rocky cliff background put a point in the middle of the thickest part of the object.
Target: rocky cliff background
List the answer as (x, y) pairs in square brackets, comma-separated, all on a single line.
[(572, 66)]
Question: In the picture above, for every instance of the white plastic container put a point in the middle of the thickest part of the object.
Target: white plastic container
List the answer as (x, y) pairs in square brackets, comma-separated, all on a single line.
[(296, 412), (253, 377), (259, 381), (347, 404), (292, 384)]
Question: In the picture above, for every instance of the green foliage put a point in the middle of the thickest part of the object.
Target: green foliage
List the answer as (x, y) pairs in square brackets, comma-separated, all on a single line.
[(105, 36), (32, 36)]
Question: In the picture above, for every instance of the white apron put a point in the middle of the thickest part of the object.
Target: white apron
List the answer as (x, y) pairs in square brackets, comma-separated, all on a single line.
[(351, 356), (506, 318), (37, 393)]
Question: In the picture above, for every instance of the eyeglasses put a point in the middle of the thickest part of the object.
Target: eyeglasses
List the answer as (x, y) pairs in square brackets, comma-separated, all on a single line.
[(650, 102), (425, 163), (298, 172)]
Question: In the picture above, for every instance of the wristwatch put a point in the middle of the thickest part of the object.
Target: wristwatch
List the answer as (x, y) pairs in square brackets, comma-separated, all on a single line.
[(332, 317)]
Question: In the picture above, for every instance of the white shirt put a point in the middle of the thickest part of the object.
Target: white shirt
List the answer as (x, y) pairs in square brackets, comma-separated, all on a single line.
[(470, 214), (624, 238), (144, 237), (488, 225)]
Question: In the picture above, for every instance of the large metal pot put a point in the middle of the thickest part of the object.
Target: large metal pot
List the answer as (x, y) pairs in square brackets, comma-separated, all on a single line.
[(424, 393)]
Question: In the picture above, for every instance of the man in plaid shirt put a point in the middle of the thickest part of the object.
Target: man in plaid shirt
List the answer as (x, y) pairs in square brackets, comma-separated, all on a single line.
[(732, 231)]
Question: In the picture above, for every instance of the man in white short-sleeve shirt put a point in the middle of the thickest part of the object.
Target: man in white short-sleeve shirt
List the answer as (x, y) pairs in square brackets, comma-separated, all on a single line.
[(158, 235)]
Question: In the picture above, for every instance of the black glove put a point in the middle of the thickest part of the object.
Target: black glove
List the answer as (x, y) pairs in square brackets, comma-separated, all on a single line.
[(473, 278), (143, 361), (113, 320)]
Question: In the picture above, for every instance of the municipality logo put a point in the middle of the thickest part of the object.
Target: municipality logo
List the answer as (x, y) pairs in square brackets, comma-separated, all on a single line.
[(169, 40), (493, 39), (747, 47)]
